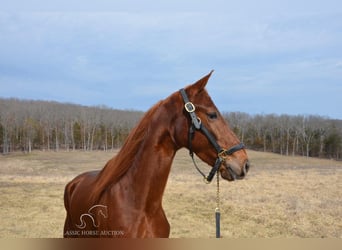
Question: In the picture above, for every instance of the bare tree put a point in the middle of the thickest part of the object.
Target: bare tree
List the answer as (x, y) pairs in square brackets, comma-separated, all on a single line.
[(29, 125), (6, 121)]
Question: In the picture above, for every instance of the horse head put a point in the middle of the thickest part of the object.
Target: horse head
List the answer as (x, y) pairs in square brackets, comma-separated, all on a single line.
[(202, 129)]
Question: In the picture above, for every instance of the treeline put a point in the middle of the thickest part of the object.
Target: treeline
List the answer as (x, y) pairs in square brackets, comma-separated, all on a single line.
[(41, 125), (306, 135)]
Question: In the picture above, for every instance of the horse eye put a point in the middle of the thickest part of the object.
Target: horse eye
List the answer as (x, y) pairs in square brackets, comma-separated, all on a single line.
[(212, 115)]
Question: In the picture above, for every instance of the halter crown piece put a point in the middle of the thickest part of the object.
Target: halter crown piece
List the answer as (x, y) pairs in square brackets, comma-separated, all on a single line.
[(196, 124)]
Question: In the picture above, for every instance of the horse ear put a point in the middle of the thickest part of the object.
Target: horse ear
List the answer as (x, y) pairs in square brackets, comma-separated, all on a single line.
[(199, 85)]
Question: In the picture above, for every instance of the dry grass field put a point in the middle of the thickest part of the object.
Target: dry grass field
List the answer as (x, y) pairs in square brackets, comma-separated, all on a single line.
[(281, 197)]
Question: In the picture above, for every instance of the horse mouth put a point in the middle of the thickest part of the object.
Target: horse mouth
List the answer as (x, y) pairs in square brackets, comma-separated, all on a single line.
[(229, 173)]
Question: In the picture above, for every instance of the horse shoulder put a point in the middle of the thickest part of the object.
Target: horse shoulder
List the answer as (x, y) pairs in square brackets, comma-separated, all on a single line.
[(78, 190)]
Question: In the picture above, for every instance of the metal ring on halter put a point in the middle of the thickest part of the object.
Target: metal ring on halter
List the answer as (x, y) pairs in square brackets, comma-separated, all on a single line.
[(205, 179), (223, 154)]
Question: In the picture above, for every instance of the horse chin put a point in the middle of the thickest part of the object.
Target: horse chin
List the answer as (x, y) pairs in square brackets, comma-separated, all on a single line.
[(228, 172), (225, 174)]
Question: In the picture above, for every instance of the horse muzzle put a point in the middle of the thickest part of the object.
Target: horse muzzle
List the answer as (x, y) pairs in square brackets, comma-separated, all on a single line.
[(231, 171)]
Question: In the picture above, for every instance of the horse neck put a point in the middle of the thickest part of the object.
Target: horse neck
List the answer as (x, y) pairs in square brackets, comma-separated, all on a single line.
[(150, 171), (151, 166), (148, 168)]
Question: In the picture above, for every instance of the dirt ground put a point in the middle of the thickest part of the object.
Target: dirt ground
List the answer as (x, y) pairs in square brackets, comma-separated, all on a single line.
[(281, 196)]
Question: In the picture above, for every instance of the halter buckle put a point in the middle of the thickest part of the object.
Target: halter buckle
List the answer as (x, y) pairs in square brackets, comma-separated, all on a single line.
[(223, 154), (189, 107)]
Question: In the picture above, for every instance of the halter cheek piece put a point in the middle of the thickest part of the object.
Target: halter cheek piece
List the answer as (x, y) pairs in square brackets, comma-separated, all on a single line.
[(196, 124)]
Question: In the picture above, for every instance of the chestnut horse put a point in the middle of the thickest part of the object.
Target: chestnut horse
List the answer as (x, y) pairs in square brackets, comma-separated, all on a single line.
[(130, 187)]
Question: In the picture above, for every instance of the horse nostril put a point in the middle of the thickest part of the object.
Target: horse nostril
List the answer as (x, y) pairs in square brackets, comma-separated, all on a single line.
[(247, 166), (245, 169)]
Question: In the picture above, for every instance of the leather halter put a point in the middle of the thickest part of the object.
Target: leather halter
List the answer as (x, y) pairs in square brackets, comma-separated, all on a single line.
[(196, 124)]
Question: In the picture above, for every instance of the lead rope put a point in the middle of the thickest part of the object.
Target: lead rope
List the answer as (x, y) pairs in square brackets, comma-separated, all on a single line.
[(217, 209)]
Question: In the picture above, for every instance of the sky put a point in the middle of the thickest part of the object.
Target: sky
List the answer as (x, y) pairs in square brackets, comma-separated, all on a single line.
[(279, 57)]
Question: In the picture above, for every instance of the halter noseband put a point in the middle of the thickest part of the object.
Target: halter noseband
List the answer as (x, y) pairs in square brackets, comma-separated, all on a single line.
[(196, 124)]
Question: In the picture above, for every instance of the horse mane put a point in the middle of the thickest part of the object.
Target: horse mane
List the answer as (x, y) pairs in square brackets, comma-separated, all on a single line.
[(116, 167)]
